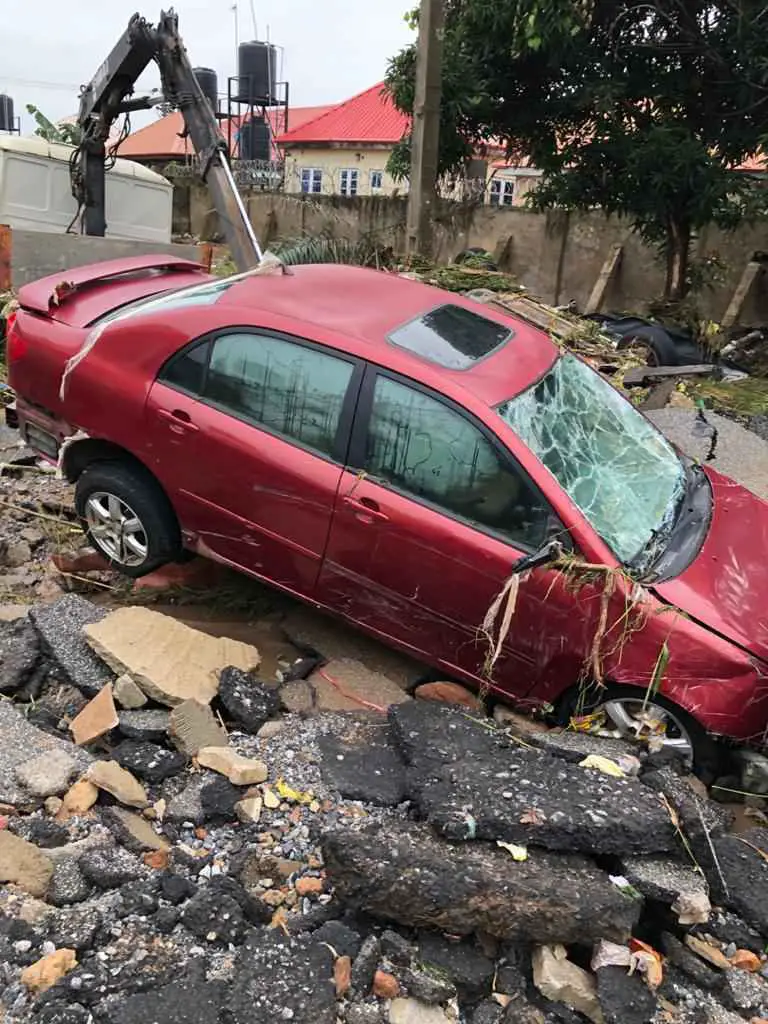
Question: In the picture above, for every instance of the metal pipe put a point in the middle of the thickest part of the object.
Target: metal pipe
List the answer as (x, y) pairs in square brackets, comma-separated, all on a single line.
[(241, 207)]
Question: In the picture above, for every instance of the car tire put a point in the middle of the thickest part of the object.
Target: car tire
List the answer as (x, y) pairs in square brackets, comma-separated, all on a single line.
[(127, 517), (707, 755), (661, 349)]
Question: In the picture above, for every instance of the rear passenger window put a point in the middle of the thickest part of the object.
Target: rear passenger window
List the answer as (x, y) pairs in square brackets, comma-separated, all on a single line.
[(187, 370), (290, 389)]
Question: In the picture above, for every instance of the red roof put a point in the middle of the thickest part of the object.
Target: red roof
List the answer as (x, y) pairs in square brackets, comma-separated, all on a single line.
[(370, 117), (162, 140)]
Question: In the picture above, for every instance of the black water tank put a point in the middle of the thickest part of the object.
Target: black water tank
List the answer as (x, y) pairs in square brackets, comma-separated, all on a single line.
[(6, 114), (255, 140), (256, 73), (209, 83)]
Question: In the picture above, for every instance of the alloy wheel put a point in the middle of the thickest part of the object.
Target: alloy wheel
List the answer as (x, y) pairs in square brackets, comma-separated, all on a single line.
[(641, 720), (116, 529)]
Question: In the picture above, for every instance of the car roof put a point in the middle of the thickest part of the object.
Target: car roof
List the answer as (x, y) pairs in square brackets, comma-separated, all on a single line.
[(367, 305)]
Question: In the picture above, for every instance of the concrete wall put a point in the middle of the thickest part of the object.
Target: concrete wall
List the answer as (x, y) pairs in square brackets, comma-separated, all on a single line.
[(35, 254), (556, 255)]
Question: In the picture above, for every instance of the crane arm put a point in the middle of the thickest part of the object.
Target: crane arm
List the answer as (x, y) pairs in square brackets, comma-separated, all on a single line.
[(110, 93)]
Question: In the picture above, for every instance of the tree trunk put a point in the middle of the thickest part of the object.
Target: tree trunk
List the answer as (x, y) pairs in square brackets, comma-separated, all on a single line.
[(678, 252)]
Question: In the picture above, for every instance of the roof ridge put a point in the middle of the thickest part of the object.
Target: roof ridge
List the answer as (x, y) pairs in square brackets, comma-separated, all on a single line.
[(332, 110)]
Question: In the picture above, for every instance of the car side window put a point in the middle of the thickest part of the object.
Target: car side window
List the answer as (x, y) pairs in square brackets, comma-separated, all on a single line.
[(427, 449), (290, 389), (186, 371)]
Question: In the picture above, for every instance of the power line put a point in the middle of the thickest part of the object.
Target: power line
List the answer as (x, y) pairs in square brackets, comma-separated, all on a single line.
[(57, 86)]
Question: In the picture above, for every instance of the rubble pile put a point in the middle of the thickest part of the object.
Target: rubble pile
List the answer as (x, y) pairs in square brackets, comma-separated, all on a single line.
[(207, 853)]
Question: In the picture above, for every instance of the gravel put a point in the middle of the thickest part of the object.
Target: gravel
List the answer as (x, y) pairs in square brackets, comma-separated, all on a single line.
[(741, 454), (20, 742)]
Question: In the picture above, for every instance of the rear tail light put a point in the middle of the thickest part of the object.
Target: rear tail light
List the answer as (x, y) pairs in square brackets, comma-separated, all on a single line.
[(15, 343)]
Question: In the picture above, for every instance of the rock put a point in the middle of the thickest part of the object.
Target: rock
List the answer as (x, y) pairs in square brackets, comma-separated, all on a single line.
[(145, 726), (68, 884), (41, 976), (78, 800), (297, 697), (109, 776), (463, 963), (410, 1011), (47, 774), (148, 761), (241, 771), (356, 687), (76, 928), (271, 799), (40, 832), (624, 998), (247, 699), (506, 792), (385, 986), (562, 981), (516, 723), (24, 865), (271, 729), (22, 741), (361, 763), (19, 652), (190, 1000), (699, 972), (402, 872), (365, 1013), (166, 919), (364, 966), (109, 867), (278, 978), (134, 832), (248, 811), (193, 725), (739, 876), (342, 939), (169, 661), (448, 693), (177, 888), (661, 878), (428, 987), (98, 717), (14, 554), (56, 705), (127, 694), (218, 799), (214, 917), (53, 805), (309, 886), (342, 976), (729, 928), (746, 991), (60, 626), (396, 949), (575, 746), (488, 1012), (187, 805)]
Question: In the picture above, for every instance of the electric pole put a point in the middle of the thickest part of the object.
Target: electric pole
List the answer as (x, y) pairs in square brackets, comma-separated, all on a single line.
[(425, 132)]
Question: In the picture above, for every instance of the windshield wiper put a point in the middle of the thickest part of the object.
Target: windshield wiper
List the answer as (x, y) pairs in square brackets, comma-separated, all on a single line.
[(678, 541)]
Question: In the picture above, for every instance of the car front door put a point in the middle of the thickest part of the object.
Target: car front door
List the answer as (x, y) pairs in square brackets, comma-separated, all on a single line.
[(248, 433), (431, 515)]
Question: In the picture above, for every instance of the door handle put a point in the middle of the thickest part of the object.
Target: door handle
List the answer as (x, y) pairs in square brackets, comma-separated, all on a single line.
[(366, 509), (178, 419)]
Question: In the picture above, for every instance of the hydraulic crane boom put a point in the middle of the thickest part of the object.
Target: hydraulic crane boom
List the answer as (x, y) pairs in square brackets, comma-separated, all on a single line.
[(110, 93)]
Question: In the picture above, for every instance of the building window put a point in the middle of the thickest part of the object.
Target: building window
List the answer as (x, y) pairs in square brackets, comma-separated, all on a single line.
[(502, 192), (349, 182), (311, 179), (377, 179)]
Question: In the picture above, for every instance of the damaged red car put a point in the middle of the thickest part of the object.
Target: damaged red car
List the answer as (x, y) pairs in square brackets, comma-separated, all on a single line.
[(402, 456)]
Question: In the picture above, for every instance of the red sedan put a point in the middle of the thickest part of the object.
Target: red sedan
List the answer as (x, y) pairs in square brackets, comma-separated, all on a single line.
[(394, 453)]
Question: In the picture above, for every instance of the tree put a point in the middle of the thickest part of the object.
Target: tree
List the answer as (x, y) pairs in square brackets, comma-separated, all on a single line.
[(640, 109), (70, 134)]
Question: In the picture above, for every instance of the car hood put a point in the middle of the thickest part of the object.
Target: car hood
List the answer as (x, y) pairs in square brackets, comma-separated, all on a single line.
[(726, 586)]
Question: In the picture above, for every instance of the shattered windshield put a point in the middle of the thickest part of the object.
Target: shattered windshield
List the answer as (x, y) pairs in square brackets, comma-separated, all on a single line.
[(613, 464)]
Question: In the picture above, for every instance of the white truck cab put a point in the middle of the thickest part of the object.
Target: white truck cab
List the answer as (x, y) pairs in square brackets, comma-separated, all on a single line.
[(35, 193)]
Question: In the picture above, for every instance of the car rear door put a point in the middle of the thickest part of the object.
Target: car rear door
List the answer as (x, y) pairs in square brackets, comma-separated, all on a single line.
[(248, 431), (431, 515)]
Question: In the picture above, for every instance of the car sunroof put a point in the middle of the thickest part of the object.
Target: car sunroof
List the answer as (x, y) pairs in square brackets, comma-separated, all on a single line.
[(451, 336)]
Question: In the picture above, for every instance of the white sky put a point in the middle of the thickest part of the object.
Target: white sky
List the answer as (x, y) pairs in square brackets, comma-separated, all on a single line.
[(332, 48)]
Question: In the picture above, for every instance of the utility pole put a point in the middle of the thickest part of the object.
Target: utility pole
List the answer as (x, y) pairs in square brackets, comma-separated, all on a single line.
[(425, 133)]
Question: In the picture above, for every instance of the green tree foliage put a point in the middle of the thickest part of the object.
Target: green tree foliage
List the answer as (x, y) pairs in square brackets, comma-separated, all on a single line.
[(640, 109), (70, 134)]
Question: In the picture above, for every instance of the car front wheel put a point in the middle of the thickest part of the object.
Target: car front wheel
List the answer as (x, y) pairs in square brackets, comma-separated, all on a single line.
[(127, 517)]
